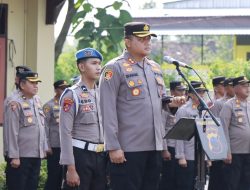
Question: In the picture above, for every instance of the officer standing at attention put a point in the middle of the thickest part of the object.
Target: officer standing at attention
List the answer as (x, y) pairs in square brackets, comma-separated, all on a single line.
[(51, 110), (236, 123), (131, 91), (184, 150), (216, 170), (168, 177), (218, 85), (19, 70), (27, 142), (81, 132)]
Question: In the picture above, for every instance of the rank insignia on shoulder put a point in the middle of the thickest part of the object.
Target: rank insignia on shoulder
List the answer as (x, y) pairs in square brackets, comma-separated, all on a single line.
[(108, 74), (136, 92), (67, 103), (46, 109)]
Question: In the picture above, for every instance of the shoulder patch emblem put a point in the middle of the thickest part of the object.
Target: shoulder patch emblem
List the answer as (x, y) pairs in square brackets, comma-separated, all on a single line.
[(108, 74), (13, 106), (67, 103)]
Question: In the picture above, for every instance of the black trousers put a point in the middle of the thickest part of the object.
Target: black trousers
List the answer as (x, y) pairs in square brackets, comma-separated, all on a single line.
[(216, 180), (141, 171), (185, 176), (91, 168), (168, 173), (54, 180), (26, 176), (237, 174)]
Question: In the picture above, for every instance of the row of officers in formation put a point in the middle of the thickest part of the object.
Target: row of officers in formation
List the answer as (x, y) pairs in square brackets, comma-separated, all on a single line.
[(113, 133)]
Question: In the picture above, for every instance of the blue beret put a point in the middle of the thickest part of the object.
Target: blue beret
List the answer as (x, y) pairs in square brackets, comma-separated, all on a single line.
[(88, 53)]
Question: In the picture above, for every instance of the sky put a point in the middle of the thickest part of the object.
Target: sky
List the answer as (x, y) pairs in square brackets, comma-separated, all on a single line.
[(134, 5)]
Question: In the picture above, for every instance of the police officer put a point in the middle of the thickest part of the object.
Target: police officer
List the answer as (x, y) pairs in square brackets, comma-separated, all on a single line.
[(19, 70), (184, 150), (131, 91), (26, 135), (81, 132), (168, 177), (216, 170), (236, 121), (51, 110), (218, 85)]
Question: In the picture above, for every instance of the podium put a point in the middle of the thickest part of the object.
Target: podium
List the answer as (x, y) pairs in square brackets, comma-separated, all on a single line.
[(209, 140)]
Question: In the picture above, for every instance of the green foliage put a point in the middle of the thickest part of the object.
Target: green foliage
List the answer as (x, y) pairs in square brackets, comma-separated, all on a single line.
[(42, 177), (104, 32), (66, 66)]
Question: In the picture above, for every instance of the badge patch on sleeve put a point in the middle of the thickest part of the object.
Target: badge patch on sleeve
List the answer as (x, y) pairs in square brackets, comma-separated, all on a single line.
[(67, 103), (108, 74)]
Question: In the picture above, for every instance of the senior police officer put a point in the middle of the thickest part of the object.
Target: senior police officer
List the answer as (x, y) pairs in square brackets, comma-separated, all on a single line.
[(168, 177), (184, 150), (51, 111), (27, 142), (81, 132), (131, 91), (218, 85), (19, 70), (235, 119), (216, 171)]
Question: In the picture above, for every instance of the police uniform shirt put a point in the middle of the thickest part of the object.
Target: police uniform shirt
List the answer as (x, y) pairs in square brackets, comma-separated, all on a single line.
[(185, 149), (218, 104), (235, 116), (169, 121), (25, 127), (51, 111), (79, 119), (5, 135), (131, 106)]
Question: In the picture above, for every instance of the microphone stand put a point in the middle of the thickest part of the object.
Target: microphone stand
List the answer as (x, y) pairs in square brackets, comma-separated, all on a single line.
[(200, 165)]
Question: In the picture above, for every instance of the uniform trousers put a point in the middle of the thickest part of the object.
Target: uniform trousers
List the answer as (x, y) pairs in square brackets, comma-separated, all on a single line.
[(141, 171), (185, 176), (91, 168), (168, 174), (26, 176), (216, 181), (237, 174), (54, 180)]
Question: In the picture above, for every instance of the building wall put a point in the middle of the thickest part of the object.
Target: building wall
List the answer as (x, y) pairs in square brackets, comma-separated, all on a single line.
[(242, 48), (34, 44)]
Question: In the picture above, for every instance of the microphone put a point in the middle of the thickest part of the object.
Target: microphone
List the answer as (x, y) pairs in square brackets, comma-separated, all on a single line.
[(175, 62)]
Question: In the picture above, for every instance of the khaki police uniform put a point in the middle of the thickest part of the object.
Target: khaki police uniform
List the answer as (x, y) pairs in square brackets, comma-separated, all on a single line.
[(26, 140), (81, 135), (131, 94), (51, 110), (235, 119)]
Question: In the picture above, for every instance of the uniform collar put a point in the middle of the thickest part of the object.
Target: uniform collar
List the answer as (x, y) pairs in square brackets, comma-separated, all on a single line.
[(83, 86), (130, 59)]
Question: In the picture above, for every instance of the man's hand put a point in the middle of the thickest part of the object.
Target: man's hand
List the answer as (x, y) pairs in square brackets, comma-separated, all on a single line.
[(228, 160), (72, 177), (117, 156), (182, 162), (177, 101), (166, 155), (15, 162)]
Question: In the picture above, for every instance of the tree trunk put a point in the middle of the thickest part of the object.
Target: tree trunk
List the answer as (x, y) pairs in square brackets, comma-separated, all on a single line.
[(64, 31)]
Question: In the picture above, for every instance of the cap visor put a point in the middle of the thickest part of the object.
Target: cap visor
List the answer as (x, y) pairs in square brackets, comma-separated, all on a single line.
[(145, 34), (34, 80), (181, 88)]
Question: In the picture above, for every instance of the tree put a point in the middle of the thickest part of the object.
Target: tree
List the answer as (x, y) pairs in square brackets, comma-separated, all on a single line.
[(103, 32)]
